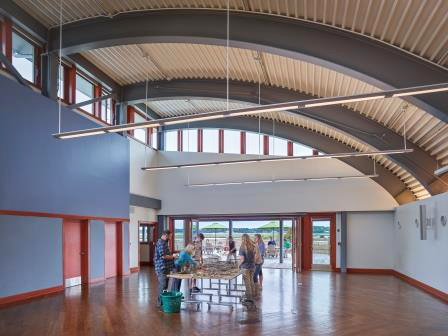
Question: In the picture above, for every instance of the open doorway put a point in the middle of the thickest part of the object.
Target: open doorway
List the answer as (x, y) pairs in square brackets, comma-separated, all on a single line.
[(147, 236), (319, 242), (277, 234)]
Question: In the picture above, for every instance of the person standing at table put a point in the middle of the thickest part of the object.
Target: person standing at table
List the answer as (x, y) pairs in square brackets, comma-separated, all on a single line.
[(232, 249), (272, 251), (164, 263), (247, 265), (258, 275), (197, 257)]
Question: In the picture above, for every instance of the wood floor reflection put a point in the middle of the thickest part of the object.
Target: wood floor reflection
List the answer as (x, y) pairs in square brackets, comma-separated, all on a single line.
[(314, 303)]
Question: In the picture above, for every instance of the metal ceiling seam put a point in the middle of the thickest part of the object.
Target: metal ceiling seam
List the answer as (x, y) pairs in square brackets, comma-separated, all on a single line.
[(278, 14)]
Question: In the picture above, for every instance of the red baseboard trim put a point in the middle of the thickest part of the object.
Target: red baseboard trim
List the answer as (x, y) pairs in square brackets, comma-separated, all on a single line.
[(411, 281), (428, 289), (135, 269), (379, 271), (30, 295), (57, 215)]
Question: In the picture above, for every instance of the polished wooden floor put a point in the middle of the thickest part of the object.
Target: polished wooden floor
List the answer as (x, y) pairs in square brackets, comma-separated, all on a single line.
[(315, 303)]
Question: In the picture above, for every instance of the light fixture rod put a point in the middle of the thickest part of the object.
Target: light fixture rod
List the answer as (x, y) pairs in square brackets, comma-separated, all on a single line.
[(90, 101), (283, 158), (261, 109), (303, 179)]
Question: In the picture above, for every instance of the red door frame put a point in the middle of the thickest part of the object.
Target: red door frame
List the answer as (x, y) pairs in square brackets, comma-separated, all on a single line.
[(187, 230), (85, 251), (307, 239)]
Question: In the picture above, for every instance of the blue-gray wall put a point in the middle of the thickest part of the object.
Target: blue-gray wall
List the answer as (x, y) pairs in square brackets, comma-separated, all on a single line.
[(38, 173), (30, 254), (125, 247), (96, 256)]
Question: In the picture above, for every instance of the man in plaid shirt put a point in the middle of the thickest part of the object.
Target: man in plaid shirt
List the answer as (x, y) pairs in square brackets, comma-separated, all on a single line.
[(164, 262)]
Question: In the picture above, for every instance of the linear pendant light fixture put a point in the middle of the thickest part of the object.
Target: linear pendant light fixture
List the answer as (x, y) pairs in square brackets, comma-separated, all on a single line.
[(303, 179), (285, 158), (256, 110)]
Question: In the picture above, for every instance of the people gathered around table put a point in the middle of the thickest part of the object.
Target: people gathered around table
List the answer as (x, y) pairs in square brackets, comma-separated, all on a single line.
[(251, 258)]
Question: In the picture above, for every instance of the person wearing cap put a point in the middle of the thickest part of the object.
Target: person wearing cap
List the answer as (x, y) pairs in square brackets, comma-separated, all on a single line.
[(164, 263), (197, 257)]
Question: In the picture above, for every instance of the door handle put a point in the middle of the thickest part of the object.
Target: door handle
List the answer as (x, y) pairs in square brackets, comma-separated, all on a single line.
[(83, 253)]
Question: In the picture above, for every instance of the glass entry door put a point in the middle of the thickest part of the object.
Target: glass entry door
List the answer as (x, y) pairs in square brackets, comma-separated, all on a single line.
[(321, 244)]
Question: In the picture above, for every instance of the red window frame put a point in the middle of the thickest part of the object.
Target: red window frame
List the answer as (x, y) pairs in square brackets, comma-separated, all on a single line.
[(6, 38), (243, 142), (94, 84), (131, 112), (7, 29), (265, 144), (200, 140)]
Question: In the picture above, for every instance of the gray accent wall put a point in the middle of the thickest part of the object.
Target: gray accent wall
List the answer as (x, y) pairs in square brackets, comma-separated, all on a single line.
[(30, 254), (38, 173), (125, 229), (96, 257), (145, 202)]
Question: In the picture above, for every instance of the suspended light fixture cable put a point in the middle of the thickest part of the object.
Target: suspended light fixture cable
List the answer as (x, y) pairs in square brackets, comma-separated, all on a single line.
[(146, 95), (259, 116), (146, 113), (60, 66), (227, 54), (403, 110), (374, 165)]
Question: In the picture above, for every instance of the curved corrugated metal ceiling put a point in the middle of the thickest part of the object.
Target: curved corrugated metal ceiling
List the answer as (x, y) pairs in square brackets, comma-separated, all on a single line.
[(416, 26), (172, 107), (135, 63)]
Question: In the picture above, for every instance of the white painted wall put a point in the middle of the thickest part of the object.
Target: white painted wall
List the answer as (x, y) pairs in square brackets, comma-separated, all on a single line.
[(144, 184), (370, 240), (310, 196), (138, 214), (141, 182), (423, 260)]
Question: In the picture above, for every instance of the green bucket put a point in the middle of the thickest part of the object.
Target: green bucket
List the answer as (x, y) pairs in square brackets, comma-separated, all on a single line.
[(171, 302)]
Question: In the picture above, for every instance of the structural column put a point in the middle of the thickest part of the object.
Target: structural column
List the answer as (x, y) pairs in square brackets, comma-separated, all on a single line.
[(120, 113), (161, 224), (281, 241), (50, 75), (343, 242), (161, 139)]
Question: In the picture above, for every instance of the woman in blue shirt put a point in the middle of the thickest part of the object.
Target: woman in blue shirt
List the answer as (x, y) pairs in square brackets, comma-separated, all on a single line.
[(184, 261)]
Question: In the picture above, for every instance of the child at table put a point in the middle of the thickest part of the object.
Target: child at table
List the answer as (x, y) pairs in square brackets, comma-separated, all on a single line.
[(184, 260)]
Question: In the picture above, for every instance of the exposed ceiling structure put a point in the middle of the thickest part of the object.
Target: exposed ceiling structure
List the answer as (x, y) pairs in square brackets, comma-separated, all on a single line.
[(172, 107), (136, 63), (416, 26)]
